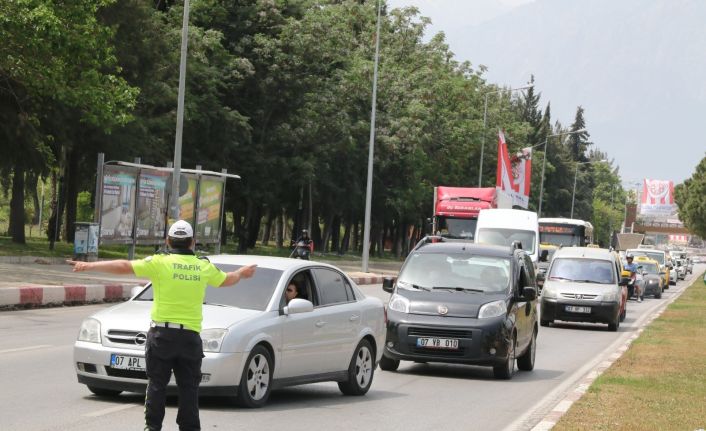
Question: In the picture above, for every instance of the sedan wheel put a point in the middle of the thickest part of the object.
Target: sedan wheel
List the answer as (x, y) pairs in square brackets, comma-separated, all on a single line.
[(360, 371), (256, 381), (506, 370)]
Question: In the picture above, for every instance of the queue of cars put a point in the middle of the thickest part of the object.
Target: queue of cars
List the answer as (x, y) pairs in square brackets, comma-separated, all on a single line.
[(454, 301)]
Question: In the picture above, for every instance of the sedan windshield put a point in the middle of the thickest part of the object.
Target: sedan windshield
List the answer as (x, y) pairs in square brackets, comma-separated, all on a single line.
[(252, 293), (497, 236), (455, 271), (649, 268), (582, 270)]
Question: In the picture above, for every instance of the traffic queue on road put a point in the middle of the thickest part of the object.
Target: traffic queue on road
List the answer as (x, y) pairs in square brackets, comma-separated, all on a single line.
[(478, 301)]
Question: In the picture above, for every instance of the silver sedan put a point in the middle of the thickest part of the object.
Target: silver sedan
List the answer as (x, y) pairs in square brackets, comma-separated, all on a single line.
[(253, 339)]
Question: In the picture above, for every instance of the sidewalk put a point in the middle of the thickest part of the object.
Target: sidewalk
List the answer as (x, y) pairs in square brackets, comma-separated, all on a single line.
[(37, 281)]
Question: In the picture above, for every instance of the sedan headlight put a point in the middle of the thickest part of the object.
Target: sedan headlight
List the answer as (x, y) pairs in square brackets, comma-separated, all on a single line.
[(492, 309), (399, 303), (549, 291), (212, 339), (90, 331)]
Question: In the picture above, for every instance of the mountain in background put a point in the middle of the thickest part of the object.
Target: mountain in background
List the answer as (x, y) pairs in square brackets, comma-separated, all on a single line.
[(638, 67)]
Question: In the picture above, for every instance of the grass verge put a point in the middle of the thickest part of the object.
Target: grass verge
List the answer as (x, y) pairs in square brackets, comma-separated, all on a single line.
[(660, 382)]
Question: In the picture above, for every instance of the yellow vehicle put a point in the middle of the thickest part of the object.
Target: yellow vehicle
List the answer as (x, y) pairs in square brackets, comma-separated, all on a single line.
[(653, 277), (660, 256)]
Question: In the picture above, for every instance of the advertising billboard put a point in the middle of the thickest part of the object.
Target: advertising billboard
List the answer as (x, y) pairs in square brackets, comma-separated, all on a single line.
[(514, 173), (187, 201), (151, 205), (657, 197), (208, 219), (118, 203)]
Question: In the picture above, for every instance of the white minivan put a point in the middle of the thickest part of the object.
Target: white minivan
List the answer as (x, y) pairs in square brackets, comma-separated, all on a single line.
[(505, 226)]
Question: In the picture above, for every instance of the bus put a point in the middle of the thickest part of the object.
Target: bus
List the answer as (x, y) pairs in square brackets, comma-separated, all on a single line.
[(565, 232)]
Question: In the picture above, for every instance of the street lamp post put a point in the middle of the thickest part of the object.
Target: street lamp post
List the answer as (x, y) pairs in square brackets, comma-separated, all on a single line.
[(485, 123), (544, 165), (576, 174), (174, 195), (371, 149)]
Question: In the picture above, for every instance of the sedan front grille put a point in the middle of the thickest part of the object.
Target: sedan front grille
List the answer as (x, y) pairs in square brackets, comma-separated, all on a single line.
[(119, 336), (438, 332), (578, 296), (128, 374)]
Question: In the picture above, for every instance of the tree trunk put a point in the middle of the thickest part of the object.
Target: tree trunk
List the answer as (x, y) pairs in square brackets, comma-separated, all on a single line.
[(17, 207), (355, 243), (279, 229), (31, 180), (315, 233), (328, 227), (343, 249), (254, 225), (400, 237), (336, 234), (71, 176), (54, 222), (268, 227)]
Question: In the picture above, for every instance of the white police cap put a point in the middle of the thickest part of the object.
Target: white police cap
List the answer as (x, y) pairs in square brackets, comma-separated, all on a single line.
[(181, 229)]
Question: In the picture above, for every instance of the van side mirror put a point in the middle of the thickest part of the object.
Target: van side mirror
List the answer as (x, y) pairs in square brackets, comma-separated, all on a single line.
[(529, 293), (388, 284)]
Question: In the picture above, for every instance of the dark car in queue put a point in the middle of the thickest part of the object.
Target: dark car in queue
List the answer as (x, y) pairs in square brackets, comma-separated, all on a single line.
[(465, 303), (651, 277)]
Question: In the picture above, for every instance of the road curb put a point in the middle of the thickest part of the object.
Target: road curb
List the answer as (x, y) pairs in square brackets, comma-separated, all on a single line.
[(73, 294), (563, 406)]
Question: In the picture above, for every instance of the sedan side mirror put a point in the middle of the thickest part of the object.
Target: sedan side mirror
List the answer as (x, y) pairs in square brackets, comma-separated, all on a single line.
[(388, 284), (529, 293), (298, 305)]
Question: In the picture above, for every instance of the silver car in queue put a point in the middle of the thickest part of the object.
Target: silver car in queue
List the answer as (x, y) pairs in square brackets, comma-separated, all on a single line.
[(253, 341)]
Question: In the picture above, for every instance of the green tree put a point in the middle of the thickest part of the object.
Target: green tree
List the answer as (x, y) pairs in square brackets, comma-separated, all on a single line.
[(689, 197)]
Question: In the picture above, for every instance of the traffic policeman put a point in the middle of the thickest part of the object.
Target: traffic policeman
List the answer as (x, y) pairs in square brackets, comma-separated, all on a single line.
[(179, 281)]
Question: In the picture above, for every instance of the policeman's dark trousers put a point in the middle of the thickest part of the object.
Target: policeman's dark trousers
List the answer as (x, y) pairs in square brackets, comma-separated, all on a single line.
[(178, 350)]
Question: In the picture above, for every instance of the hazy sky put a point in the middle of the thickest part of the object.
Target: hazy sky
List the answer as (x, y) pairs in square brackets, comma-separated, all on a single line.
[(636, 66)]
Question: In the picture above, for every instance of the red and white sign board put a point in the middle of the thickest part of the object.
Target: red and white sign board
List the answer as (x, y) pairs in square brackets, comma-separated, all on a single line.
[(657, 197), (514, 173)]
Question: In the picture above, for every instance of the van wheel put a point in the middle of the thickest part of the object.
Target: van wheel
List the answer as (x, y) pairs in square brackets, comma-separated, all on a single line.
[(526, 361), (624, 313), (613, 327), (360, 371), (658, 294), (543, 322), (389, 364), (507, 370)]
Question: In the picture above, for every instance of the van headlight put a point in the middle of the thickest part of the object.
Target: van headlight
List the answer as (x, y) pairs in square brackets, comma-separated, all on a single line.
[(492, 309), (90, 331), (399, 303), (610, 297), (549, 291), (212, 339)]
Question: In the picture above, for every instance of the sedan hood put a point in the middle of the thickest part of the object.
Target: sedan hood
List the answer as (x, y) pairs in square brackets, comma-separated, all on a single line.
[(454, 303), (135, 315)]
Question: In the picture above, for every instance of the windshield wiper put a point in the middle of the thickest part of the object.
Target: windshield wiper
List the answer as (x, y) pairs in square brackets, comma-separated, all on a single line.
[(217, 305), (458, 289), (556, 277)]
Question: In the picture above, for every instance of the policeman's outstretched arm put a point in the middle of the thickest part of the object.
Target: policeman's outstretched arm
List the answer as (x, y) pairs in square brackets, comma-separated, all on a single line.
[(234, 276), (119, 266)]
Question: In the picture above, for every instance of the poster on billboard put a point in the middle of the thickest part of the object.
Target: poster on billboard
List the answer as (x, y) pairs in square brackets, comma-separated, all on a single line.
[(151, 205), (187, 201), (118, 203), (514, 173), (208, 218), (657, 197)]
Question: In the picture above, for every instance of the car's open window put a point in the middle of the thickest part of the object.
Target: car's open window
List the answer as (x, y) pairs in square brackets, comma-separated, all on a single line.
[(304, 285), (252, 293), (330, 286)]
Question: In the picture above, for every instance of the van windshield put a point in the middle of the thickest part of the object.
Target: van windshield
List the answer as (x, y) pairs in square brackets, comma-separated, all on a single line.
[(455, 271), (582, 270), (498, 236)]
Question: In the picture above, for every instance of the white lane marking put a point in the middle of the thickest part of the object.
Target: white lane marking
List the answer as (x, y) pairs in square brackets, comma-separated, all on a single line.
[(22, 349), (109, 410)]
